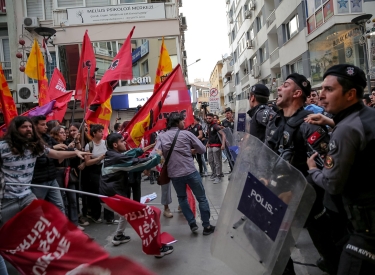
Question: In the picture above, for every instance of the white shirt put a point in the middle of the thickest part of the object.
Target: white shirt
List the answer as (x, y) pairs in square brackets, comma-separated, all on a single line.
[(98, 149)]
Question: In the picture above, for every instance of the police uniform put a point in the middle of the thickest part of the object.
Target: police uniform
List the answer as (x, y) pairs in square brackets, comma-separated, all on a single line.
[(261, 114), (349, 171), (292, 139), (227, 124)]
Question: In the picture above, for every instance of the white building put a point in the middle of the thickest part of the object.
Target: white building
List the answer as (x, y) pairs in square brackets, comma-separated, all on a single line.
[(270, 39), (108, 23)]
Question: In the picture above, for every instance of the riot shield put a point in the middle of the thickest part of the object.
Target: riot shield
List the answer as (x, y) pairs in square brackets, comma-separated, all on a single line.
[(242, 125), (264, 209), (231, 150)]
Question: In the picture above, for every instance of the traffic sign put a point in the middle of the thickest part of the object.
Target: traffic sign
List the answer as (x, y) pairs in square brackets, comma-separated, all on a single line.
[(214, 100)]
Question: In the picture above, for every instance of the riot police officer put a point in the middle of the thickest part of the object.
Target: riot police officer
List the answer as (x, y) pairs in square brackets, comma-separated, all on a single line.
[(259, 113), (349, 164), (228, 121)]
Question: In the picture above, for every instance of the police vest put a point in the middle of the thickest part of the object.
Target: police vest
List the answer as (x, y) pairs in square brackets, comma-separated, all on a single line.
[(213, 137)]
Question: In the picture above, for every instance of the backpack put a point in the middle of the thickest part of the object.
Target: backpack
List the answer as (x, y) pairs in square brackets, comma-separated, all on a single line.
[(91, 146)]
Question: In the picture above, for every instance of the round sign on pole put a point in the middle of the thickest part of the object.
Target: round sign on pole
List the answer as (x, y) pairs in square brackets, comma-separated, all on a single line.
[(213, 92)]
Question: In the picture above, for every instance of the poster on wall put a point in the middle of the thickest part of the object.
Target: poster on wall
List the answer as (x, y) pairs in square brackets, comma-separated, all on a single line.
[(311, 24), (328, 10), (356, 5), (343, 6), (319, 18)]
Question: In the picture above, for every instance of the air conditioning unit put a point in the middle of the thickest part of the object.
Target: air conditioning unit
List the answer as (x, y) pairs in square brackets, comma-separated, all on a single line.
[(249, 44), (256, 71), (252, 5), (247, 14), (30, 22), (27, 93), (183, 24)]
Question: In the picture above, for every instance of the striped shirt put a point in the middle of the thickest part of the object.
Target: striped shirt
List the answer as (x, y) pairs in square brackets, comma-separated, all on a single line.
[(17, 169)]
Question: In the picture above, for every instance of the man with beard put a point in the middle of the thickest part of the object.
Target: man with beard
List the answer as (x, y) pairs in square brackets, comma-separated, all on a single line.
[(288, 136), (228, 121)]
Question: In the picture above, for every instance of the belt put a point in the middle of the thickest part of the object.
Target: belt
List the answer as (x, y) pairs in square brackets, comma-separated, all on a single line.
[(362, 218)]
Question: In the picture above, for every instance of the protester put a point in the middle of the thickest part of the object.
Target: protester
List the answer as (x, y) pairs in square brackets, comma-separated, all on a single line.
[(312, 103), (349, 164), (98, 147), (214, 147), (70, 198), (117, 127), (196, 129), (45, 170), (51, 124), (116, 164), (19, 150), (259, 112), (373, 97), (228, 122), (367, 100), (182, 171)]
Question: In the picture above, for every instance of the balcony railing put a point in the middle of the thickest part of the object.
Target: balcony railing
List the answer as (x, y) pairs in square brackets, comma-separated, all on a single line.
[(271, 18), (244, 80), (274, 55), (7, 70)]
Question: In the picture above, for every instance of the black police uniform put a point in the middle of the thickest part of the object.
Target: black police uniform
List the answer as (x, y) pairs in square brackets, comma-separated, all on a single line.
[(194, 129), (227, 124), (260, 114), (292, 138), (349, 171)]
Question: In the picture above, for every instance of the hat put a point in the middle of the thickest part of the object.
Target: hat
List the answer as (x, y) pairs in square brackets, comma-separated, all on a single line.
[(302, 82), (349, 72), (260, 89)]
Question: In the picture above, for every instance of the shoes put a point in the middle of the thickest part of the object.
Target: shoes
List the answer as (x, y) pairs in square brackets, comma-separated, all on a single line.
[(82, 221), (212, 177), (167, 213), (221, 175), (179, 210), (93, 219), (193, 227), (225, 160), (208, 230), (148, 178), (152, 182), (80, 228), (165, 250), (119, 239), (112, 221), (205, 174), (217, 180)]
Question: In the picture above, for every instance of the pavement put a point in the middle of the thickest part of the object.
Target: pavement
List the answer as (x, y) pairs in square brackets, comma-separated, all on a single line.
[(192, 253)]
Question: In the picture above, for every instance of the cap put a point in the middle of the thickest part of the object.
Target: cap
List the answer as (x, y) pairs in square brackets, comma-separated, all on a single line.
[(260, 89), (302, 82), (349, 72)]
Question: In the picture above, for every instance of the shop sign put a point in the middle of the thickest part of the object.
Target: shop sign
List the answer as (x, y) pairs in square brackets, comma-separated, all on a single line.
[(115, 13), (352, 33), (140, 80)]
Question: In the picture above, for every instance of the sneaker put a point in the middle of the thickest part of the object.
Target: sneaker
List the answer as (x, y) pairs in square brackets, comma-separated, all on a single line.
[(82, 221), (165, 250), (208, 230), (206, 174), (193, 227), (179, 210), (167, 213), (221, 175), (112, 221), (212, 177), (217, 180), (93, 219), (119, 239), (80, 228)]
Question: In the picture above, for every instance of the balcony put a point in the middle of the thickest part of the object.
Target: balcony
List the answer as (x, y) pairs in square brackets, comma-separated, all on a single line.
[(228, 87), (271, 18), (227, 69), (7, 70), (274, 55), (244, 80)]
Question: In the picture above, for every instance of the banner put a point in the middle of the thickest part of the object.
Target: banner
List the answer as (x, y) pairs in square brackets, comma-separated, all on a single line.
[(59, 109), (144, 219), (164, 66), (6, 99), (57, 86), (171, 97), (86, 61), (44, 241), (121, 68), (100, 115)]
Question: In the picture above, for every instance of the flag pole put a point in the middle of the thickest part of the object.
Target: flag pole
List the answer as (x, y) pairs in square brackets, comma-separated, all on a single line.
[(73, 112)]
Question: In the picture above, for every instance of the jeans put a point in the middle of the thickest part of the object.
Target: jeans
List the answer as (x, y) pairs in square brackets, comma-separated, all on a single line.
[(204, 163), (198, 157), (194, 181), (166, 196), (10, 207), (134, 186), (51, 195), (214, 159), (122, 221), (3, 268)]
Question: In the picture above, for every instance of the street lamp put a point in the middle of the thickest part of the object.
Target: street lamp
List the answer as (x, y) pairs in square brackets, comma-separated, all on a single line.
[(194, 62), (361, 22)]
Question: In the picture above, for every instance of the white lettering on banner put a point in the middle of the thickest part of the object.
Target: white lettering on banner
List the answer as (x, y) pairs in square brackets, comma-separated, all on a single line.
[(60, 86), (120, 13), (140, 80), (361, 251), (260, 200)]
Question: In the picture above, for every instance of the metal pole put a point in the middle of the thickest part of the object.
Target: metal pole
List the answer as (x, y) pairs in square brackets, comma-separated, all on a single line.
[(73, 112)]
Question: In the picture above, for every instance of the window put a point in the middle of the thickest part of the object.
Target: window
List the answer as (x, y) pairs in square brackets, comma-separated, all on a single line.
[(237, 79), (242, 44), (263, 53), (296, 67), (69, 3), (5, 54), (250, 33), (134, 1), (259, 22), (292, 27), (239, 20), (145, 67), (97, 3), (39, 8)]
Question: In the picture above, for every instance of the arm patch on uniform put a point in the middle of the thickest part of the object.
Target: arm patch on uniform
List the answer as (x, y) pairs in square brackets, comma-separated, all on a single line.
[(316, 136)]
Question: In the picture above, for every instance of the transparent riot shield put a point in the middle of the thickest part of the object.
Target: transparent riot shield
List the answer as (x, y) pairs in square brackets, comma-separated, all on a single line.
[(231, 150), (264, 209), (242, 125)]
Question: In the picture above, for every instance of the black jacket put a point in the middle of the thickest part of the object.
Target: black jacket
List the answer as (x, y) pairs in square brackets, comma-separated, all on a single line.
[(45, 169), (260, 116)]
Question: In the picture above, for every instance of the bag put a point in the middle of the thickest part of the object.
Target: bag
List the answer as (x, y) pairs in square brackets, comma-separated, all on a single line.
[(70, 176), (163, 177)]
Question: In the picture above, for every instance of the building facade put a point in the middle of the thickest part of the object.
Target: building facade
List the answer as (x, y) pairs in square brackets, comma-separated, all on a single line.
[(108, 23), (216, 82), (269, 39)]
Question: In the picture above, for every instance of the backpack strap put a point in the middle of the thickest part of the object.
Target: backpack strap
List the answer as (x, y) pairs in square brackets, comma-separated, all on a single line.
[(91, 146)]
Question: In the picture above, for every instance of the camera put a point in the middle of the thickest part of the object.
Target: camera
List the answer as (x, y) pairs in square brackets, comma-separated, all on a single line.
[(204, 105)]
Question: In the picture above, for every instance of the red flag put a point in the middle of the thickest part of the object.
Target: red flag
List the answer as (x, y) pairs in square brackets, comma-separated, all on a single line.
[(8, 106), (191, 199), (44, 241), (86, 61), (171, 97), (59, 110), (121, 68), (144, 219), (57, 86)]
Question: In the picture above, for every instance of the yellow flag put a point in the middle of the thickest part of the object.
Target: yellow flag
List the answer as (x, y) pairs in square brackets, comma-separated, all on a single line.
[(35, 63), (164, 66)]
